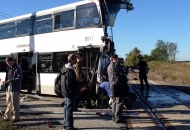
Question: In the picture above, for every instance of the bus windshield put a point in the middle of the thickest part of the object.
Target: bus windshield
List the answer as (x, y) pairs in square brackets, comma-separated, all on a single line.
[(110, 8)]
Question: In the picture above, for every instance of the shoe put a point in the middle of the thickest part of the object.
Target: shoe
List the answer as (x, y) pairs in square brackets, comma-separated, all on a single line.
[(15, 120), (120, 121), (113, 118), (142, 88), (6, 119)]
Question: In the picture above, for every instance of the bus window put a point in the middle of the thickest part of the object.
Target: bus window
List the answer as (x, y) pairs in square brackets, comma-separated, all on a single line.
[(7, 30), (43, 24), (45, 63), (64, 19), (3, 65), (59, 59), (87, 15), (24, 27)]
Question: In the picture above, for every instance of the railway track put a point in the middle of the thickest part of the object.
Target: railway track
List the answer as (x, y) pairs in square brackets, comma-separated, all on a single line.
[(159, 108)]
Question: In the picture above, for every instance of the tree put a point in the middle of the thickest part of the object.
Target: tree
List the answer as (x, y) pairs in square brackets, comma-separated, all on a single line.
[(164, 51), (160, 52), (132, 57), (172, 51)]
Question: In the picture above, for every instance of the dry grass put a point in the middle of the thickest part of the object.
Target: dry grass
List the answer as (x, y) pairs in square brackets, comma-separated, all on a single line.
[(170, 72)]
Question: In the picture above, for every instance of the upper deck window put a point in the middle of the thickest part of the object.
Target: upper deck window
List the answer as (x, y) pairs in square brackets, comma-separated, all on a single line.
[(7, 30), (87, 16), (24, 27), (43, 24), (64, 19)]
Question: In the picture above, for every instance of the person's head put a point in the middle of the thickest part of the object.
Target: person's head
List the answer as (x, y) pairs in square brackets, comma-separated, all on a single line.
[(72, 58), (140, 57), (10, 61), (80, 56), (114, 58)]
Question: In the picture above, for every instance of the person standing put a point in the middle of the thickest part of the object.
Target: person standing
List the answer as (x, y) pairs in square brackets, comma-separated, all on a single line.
[(143, 70), (69, 86), (115, 72), (13, 86)]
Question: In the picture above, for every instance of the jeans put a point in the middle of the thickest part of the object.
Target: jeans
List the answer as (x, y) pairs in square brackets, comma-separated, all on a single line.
[(69, 107), (13, 104), (117, 107)]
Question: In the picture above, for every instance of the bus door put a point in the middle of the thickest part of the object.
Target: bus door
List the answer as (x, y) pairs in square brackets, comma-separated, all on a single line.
[(27, 62)]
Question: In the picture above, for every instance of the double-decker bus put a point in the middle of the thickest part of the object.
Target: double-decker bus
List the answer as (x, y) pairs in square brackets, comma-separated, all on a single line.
[(41, 41)]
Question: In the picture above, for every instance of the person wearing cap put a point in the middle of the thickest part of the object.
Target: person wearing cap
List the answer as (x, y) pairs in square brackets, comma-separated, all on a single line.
[(13, 80), (143, 70), (115, 71), (70, 90)]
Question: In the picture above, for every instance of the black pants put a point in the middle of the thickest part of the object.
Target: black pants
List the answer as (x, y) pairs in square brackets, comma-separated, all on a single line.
[(142, 77)]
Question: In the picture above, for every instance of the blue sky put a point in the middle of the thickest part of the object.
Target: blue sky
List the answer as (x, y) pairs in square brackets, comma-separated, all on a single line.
[(151, 20)]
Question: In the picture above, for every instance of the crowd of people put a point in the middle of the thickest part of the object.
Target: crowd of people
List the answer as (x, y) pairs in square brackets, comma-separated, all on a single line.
[(75, 88)]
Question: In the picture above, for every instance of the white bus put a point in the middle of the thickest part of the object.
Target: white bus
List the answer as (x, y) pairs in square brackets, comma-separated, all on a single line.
[(40, 42)]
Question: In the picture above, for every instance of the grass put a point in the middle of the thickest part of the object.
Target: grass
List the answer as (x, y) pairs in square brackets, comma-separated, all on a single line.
[(170, 72), (6, 125)]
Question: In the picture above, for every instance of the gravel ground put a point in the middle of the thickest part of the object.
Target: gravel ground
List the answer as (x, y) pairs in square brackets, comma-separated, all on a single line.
[(51, 112)]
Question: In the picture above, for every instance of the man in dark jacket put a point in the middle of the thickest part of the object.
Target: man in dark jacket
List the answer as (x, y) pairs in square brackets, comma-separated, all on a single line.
[(13, 86), (143, 70), (115, 75), (70, 90)]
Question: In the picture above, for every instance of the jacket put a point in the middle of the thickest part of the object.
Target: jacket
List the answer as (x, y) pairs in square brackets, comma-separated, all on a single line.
[(16, 78), (117, 79), (69, 84)]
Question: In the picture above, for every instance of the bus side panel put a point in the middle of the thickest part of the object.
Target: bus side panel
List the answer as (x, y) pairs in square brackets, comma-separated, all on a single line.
[(2, 80), (68, 40), (46, 83), (15, 45)]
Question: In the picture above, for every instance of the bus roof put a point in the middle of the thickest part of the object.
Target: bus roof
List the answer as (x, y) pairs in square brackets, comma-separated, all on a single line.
[(49, 11)]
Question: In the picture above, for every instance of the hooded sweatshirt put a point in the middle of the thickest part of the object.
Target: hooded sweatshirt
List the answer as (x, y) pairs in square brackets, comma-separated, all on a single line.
[(69, 84)]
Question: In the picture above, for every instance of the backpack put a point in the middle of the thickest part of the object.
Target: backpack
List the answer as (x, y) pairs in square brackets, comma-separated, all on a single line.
[(57, 85)]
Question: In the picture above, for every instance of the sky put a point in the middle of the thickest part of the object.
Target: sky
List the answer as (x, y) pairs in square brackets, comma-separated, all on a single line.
[(151, 20)]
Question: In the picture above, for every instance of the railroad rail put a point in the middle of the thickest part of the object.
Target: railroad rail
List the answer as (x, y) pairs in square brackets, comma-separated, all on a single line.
[(167, 107)]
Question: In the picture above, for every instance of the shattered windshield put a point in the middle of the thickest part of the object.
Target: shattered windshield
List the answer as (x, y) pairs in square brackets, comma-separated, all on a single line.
[(111, 8)]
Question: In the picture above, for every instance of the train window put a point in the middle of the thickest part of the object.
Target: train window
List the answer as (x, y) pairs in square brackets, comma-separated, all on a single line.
[(64, 19), (87, 15)]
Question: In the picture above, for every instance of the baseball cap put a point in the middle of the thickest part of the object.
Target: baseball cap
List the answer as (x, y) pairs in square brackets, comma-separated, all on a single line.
[(71, 56), (115, 56)]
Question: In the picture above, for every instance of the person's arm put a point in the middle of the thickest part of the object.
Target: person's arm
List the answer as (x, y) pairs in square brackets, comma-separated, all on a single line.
[(18, 76)]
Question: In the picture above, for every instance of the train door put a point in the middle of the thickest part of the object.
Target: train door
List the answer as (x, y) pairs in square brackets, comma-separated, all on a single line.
[(27, 62)]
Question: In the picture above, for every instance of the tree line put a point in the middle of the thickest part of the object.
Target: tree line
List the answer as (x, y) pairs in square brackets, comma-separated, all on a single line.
[(164, 51)]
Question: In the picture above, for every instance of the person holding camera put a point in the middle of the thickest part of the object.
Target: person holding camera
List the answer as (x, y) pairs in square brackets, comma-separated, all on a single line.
[(13, 80), (115, 76)]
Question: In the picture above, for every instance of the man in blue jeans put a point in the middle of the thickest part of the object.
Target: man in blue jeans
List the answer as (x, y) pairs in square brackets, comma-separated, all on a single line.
[(69, 86)]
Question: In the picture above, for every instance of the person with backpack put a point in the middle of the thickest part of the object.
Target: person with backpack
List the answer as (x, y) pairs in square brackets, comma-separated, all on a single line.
[(70, 90)]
